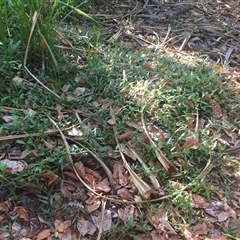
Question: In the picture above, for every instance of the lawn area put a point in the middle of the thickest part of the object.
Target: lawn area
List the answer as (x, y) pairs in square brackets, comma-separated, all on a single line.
[(120, 120)]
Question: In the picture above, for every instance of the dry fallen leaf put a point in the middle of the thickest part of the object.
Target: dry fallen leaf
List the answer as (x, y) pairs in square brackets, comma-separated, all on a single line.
[(200, 229), (66, 87), (103, 186), (237, 177), (85, 227), (132, 124), (50, 178), (148, 66), (223, 216), (120, 174), (19, 230), (124, 193), (127, 135), (91, 199), (75, 132), (128, 152), (79, 91), (159, 220), (94, 206), (30, 113), (8, 119), (43, 234), (216, 108), (3, 207), (80, 168), (186, 233), (111, 122), (95, 174), (229, 209), (14, 166), (127, 213), (198, 202), (66, 193), (221, 210), (106, 222), (67, 234), (70, 175), (91, 181), (155, 133), (191, 143), (4, 235), (21, 212), (177, 185), (59, 226), (17, 80)]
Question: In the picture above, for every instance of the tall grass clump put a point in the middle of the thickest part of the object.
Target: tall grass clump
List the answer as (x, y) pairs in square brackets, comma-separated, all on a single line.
[(14, 32), (16, 23)]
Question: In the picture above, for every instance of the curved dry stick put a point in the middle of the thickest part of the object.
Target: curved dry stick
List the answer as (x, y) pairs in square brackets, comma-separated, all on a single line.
[(89, 188), (44, 86)]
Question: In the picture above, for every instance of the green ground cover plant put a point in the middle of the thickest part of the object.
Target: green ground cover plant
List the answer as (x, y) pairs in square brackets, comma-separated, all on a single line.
[(76, 117)]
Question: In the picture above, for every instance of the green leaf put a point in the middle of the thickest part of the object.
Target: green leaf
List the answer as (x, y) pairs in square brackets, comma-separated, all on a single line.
[(20, 142), (79, 11)]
